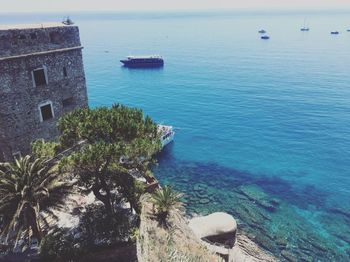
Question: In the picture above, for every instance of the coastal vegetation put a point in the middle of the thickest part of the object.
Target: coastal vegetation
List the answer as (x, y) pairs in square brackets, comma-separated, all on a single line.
[(103, 152), (30, 189), (175, 242), (165, 199), (118, 139)]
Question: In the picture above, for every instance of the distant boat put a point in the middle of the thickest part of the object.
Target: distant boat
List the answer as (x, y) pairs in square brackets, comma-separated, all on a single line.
[(335, 33), (262, 31), (143, 61), (305, 28), (348, 30), (265, 37), (166, 134)]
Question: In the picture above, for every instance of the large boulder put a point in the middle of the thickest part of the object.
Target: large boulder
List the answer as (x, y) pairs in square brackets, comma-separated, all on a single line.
[(217, 227)]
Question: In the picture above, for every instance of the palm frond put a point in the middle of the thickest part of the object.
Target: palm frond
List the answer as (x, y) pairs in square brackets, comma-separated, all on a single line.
[(28, 187)]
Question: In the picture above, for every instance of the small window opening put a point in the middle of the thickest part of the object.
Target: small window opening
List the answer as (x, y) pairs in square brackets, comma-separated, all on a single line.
[(46, 112), (68, 102), (39, 77), (65, 72)]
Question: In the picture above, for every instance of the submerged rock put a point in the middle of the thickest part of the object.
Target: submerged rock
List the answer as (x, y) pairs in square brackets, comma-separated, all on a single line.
[(289, 256), (204, 201), (200, 187), (259, 197)]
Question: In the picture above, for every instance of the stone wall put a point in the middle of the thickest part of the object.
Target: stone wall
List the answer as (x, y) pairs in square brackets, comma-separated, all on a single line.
[(29, 39), (20, 118)]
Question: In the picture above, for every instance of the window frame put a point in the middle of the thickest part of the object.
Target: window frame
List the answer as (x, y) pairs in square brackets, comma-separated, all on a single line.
[(45, 74), (52, 110)]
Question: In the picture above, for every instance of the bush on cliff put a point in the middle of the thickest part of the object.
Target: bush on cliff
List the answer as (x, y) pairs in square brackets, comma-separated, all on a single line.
[(165, 200)]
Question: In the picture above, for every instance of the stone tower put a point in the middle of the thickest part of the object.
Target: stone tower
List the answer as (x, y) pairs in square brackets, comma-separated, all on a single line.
[(41, 78)]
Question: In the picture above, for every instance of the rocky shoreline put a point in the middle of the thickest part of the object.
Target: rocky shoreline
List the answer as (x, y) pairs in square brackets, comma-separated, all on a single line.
[(263, 210), (156, 243)]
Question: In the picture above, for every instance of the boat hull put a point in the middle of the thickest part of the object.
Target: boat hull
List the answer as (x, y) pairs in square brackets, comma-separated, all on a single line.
[(167, 140), (133, 64)]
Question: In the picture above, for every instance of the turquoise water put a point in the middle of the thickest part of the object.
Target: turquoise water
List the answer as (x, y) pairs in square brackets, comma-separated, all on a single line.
[(262, 127)]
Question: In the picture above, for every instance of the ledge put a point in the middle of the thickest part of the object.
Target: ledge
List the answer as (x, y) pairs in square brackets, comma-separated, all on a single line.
[(41, 53)]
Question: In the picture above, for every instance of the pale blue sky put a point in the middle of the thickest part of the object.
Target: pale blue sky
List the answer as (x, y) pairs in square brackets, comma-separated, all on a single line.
[(156, 5)]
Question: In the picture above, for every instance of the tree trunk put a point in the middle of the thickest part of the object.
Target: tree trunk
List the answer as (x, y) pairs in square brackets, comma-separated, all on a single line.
[(105, 199), (34, 223)]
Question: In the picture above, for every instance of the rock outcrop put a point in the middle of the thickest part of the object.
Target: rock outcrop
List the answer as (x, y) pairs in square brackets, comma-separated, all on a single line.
[(245, 250), (181, 241), (175, 243), (221, 228), (217, 227)]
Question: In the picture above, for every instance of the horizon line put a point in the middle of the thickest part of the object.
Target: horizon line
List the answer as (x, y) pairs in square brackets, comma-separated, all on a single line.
[(219, 10)]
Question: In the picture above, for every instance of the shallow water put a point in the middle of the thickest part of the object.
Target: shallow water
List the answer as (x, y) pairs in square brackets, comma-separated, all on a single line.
[(262, 127)]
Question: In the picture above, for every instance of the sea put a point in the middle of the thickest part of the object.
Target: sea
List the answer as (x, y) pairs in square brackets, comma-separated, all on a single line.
[(262, 126)]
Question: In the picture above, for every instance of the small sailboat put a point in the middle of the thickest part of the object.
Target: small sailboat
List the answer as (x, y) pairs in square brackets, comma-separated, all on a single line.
[(265, 37), (305, 28), (262, 31)]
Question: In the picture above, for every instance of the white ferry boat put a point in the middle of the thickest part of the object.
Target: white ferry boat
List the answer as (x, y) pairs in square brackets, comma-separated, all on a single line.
[(167, 134)]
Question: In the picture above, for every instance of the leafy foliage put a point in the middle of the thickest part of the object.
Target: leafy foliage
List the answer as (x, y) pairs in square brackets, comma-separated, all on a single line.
[(96, 230), (165, 200), (119, 138), (111, 125), (59, 246), (40, 148), (29, 190)]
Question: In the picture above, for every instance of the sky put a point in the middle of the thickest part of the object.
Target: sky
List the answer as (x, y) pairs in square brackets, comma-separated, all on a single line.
[(164, 5)]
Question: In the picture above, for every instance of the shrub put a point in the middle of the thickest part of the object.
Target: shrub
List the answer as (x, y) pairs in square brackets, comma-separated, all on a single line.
[(59, 246), (99, 229), (165, 200)]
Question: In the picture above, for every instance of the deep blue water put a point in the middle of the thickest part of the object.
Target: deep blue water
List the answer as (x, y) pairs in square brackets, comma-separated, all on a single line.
[(258, 123)]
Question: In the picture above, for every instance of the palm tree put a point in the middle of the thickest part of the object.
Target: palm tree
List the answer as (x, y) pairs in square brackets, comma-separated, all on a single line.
[(30, 189), (165, 200)]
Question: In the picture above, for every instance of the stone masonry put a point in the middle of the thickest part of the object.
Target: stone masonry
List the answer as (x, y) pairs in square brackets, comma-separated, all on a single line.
[(41, 78)]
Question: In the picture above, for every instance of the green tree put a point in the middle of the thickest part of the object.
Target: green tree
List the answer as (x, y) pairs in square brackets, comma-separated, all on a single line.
[(30, 189), (118, 139), (110, 125), (92, 167), (165, 200)]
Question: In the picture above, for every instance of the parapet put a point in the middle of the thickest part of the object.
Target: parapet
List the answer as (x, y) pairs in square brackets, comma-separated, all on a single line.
[(26, 39)]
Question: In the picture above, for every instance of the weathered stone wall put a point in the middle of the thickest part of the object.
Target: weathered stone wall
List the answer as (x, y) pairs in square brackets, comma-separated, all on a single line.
[(20, 121), (28, 40)]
